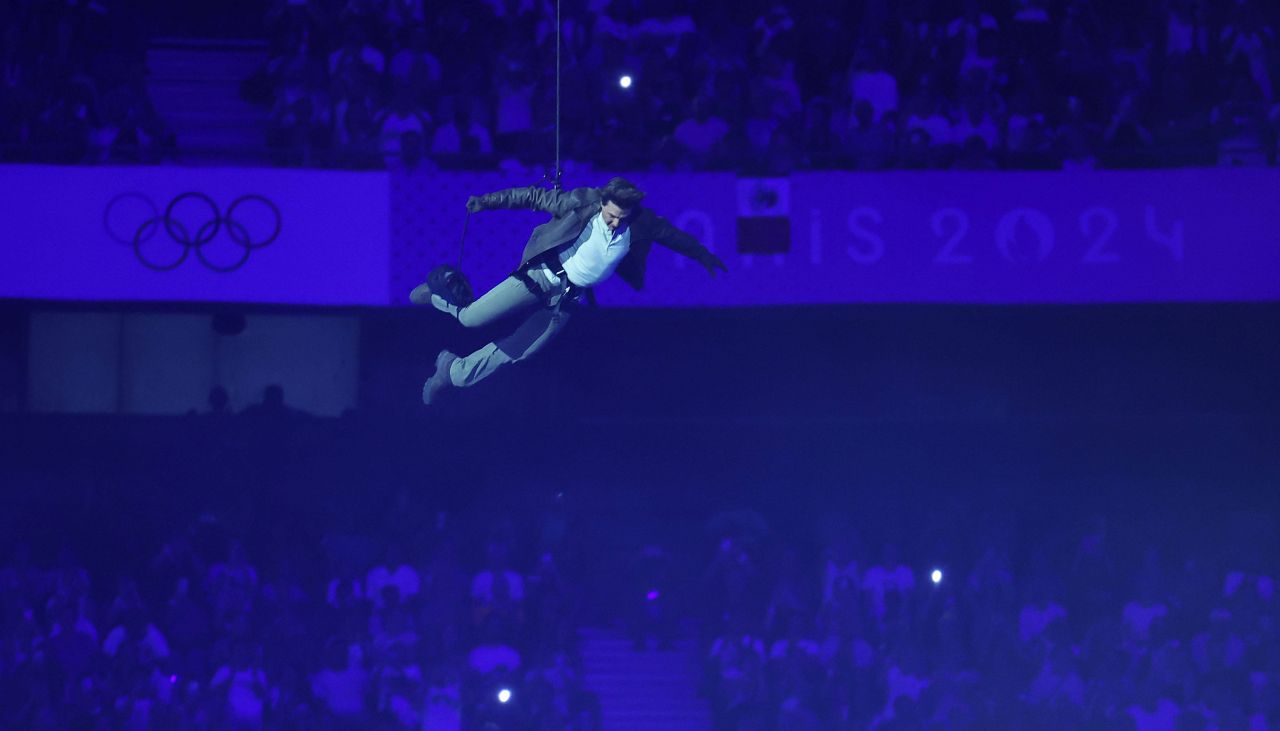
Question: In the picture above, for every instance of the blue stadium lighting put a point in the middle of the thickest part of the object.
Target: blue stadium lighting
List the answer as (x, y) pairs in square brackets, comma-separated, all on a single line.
[(504, 695), (624, 81), (936, 576)]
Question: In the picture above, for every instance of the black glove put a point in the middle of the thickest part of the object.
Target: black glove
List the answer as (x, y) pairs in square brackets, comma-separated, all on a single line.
[(712, 263), (474, 205), (451, 284)]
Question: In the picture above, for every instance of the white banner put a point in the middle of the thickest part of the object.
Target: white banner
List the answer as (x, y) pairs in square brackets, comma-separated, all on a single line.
[(194, 234)]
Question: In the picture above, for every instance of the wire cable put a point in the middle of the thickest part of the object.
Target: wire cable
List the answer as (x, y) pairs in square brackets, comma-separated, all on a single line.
[(556, 181)]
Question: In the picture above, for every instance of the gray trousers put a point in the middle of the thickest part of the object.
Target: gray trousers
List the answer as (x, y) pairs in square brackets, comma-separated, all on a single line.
[(544, 318)]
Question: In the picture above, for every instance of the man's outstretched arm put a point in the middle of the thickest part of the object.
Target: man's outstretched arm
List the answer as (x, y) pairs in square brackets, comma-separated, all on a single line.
[(683, 243), (555, 202)]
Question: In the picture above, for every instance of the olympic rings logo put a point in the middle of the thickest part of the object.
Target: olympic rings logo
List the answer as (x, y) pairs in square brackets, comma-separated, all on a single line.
[(176, 222)]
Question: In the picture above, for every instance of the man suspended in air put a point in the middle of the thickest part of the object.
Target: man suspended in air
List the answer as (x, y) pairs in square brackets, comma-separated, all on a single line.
[(593, 232)]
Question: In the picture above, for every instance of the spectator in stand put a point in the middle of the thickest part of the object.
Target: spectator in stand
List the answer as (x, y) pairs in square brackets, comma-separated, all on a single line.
[(699, 136), (1039, 616), (246, 687), (405, 14), (357, 57), (414, 66), (1131, 52), (869, 80), (394, 571), (399, 687), (498, 591), (736, 677), (346, 590), (979, 112), (1186, 29), (127, 128), (300, 120), (733, 584), (189, 626), (1033, 31), (1076, 138), (549, 624), (233, 588), (461, 138), (926, 129), (1241, 126), (839, 561), (791, 605), (889, 587), (1081, 65), (69, 582), (355, 125), (137, 637), (773, 33), (1127, 141), (402, 131), (1027, 134), (72, 642), (443, 707), (493, 654), (60, 128), (514, 80), (512, 12), (904, 683), (794, 672), (391, 626), (1142, 614), (1249, 41), (868, 144), (664, 104), (842, 610), (819, 143), (974, 38), (444, 601)]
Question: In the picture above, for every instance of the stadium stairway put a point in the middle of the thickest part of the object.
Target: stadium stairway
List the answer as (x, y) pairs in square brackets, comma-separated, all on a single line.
[(195, 86), (644, 690)]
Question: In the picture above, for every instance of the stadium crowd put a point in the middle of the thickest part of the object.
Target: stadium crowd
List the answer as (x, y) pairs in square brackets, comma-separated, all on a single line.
[(756, 87), (73, 85), (974, 621), (343, 633), (1105, 625)]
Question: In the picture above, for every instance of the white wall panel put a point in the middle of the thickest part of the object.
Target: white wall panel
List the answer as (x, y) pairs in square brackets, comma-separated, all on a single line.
[(166, 363)]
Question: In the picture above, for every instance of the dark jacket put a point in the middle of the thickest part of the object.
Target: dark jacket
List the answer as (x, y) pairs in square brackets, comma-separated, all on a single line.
[(572, 210)]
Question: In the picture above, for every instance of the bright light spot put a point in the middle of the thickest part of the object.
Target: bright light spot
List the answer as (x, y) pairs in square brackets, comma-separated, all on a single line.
[(504, 695), (936, 576), (624, 81), (652, 596)]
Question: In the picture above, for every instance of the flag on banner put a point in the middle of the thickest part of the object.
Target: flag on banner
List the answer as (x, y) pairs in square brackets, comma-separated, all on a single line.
[(764, 215)]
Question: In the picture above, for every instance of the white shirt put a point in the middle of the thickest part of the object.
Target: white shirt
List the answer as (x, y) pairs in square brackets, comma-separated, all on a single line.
[(487, 658), (482, 586), (243, 696), (1162, 717), (341, 690), (596, 253), (879, 88), (1034, 620), (1139, 616), (402, 577), (152, 641), (880, 580)]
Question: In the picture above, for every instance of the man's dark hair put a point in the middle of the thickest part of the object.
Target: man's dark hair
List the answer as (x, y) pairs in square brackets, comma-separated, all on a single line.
[(623, 192)]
